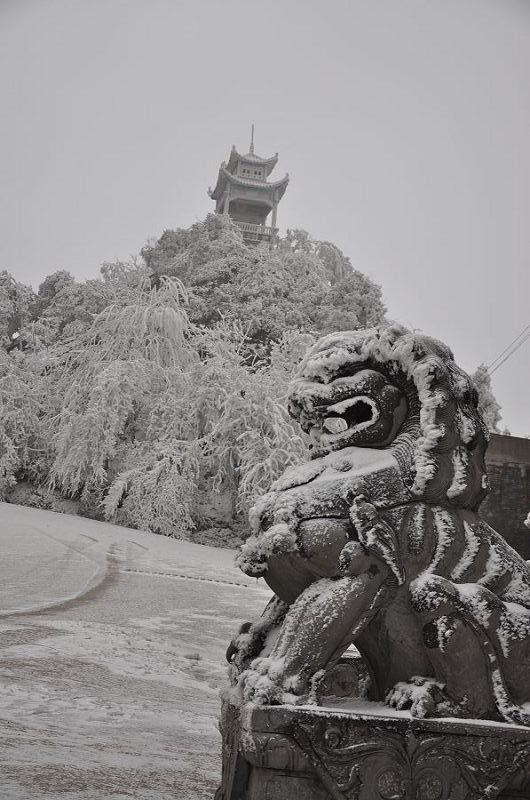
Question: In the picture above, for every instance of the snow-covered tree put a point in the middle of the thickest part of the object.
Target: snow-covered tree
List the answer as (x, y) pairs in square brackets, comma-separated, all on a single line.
[(108, 376), (352, 302), (15, 302), (157, 391), (49, 289), (24, 402), (156, 488), (235, 413), (300, 284), (488, 406)]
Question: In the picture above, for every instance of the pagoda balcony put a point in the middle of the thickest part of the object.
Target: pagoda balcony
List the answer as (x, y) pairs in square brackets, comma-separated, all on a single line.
[(256, 233)]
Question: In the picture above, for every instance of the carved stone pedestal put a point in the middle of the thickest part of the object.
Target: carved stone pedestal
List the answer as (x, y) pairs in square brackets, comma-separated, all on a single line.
[(365, 753)]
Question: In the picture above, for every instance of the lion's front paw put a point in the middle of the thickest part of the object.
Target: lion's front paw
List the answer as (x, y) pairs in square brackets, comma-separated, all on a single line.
[(254, 554), (265, 683), (260, 689), (424, 697)]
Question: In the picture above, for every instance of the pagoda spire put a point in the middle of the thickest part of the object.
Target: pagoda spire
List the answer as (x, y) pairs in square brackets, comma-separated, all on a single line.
[(252, 140)]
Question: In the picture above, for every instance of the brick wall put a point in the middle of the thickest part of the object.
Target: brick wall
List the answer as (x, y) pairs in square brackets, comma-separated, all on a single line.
[(508, 503)]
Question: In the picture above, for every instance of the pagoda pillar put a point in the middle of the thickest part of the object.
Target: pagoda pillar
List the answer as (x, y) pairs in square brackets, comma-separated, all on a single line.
[(273, 219)]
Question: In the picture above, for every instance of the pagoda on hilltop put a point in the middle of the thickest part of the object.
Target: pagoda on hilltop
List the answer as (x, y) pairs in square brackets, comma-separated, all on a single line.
[(243, 192)]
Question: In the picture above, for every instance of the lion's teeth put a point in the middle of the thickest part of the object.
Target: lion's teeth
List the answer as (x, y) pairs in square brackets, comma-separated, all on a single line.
[(335, 424)]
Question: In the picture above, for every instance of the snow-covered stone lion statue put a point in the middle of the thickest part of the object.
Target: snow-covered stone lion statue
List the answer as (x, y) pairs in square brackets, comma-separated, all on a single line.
[(377, 542)]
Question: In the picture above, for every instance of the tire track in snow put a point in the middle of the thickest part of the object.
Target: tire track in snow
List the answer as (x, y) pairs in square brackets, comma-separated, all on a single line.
[(179, 575), (101, 578)]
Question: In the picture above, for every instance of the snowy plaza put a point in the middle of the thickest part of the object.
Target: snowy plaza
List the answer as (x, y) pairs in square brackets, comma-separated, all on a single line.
[(111, 659)]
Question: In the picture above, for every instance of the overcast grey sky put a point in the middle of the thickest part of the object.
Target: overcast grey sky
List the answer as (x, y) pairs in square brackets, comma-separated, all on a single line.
[(404, 126)]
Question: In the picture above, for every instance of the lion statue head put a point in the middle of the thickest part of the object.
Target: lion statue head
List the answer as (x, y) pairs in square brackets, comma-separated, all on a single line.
[(389, 388)]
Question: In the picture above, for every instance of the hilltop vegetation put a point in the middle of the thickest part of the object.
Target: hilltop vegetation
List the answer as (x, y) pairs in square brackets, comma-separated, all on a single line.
[(154, 395)]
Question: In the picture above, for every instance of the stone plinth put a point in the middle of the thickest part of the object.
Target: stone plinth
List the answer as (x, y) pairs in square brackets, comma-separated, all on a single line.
[(366, 753)]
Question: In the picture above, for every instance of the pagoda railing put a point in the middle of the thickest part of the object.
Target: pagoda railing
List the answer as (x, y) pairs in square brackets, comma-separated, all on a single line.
[(253, 232)]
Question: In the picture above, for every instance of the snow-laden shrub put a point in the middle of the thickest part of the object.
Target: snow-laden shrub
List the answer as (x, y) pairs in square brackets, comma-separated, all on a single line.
[(15, 302), (92, 421), (109, 376), (8, 464), (487, 404), (217, 426), (157, 491), (235, 412), (23, 403)]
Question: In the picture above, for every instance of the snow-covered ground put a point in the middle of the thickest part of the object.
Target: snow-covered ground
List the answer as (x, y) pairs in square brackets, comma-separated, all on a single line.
[(111, 658)]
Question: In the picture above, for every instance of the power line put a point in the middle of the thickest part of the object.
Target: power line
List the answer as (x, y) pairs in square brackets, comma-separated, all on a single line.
[(512, 351), (507, 348)]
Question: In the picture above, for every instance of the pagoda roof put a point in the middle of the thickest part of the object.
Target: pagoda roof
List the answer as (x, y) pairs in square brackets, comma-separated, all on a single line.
[(251, 158), (225, 176)]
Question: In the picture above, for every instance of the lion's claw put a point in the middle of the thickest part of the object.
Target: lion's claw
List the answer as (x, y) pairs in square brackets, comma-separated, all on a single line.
[(423, 697)]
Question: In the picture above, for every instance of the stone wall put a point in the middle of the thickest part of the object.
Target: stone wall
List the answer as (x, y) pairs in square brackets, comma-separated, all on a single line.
[(508, 503)]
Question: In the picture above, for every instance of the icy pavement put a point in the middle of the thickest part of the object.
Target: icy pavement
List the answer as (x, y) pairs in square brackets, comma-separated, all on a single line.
[(111, 658)]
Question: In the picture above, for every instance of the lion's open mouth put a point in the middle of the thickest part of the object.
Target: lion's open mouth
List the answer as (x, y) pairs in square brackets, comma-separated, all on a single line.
[(362, 410), (356, 412), (344, 419)]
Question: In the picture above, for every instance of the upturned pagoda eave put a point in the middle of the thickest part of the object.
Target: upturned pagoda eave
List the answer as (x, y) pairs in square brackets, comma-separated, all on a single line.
[(225, 177), (251, 159)]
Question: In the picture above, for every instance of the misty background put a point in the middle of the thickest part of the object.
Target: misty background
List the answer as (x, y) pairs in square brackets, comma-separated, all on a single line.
[(404, 127)]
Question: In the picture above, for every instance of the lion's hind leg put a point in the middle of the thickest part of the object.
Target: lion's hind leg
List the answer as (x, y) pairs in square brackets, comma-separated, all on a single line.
[(461, 624), (317, 629)]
